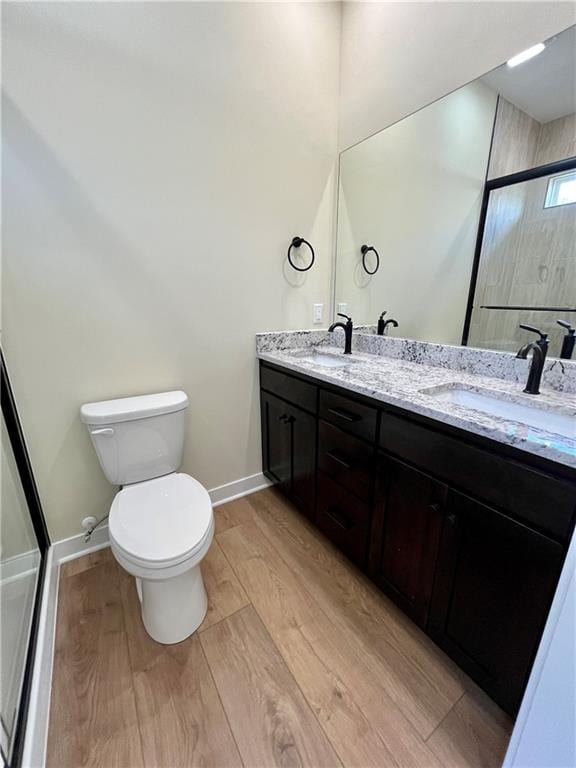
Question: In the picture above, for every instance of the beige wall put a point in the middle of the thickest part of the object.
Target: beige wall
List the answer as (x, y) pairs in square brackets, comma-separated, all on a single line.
[(398, 56), (414, 192), (158, 158)]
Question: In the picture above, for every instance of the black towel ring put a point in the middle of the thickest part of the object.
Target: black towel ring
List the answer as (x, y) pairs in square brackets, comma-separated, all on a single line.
[(296, 243), (366, 249)]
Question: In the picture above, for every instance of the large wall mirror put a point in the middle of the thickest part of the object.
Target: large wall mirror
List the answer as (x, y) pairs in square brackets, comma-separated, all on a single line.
[(460, 220)]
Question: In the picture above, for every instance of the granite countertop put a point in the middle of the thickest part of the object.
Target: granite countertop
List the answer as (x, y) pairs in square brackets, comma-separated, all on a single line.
[(400, 383)]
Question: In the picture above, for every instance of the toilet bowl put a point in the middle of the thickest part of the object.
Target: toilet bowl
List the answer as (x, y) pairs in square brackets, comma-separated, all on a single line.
[(160, 530), (161, 522)]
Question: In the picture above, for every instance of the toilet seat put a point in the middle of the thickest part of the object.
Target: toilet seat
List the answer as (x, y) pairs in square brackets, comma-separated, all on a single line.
[(158, 524)]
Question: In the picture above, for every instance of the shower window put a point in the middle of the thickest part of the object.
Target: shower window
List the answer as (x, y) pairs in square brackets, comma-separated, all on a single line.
[(561, 190)]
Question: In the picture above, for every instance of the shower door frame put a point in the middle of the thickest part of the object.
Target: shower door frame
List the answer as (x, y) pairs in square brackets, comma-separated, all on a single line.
[(559, 166), (22, 459)]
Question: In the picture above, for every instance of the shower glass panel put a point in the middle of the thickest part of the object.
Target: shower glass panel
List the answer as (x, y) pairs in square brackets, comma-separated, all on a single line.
[(24, 544), (19, 568)]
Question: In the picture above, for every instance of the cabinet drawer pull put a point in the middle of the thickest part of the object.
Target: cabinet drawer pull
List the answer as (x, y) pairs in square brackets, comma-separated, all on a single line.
[(339, 459), (436, 507), (345, 415), (340, 518), (283, 418)]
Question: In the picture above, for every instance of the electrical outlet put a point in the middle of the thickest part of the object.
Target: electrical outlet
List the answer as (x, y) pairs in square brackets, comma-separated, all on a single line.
[(343, 307), (318, 313)]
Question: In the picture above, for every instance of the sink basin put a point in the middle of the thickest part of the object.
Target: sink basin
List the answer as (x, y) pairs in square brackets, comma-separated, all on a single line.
[(326, 359), (554, 421)]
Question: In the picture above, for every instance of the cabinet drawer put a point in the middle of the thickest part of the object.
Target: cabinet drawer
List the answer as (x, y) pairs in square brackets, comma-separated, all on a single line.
[(296, 391), (346, 459), (343, 518), (526, 493), (349, 415)]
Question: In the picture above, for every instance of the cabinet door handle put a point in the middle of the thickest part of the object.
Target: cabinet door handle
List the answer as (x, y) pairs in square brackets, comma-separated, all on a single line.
[(344, 415), (342, 520), (283, 418), (339, 459), (451, 519), (435, 507)]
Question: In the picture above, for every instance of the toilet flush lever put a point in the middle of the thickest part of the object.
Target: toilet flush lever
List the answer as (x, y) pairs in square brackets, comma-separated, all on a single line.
[(105, 432)]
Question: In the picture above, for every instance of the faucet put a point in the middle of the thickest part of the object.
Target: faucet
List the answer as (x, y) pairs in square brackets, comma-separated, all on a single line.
[(539, 348), (569, 340), (382, 324), (348, 328)]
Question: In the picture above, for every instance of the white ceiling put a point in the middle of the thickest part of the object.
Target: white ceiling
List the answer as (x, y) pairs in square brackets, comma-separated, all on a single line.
[(545, 86)]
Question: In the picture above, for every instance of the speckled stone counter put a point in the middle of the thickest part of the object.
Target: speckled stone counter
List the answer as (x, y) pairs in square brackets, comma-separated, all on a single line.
[(408, 374)]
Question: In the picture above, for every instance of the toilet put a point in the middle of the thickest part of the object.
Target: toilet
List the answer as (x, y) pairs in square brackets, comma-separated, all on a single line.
[(161, 522)]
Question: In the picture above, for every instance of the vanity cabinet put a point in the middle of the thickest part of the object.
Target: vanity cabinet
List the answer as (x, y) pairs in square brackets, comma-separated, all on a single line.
[(466, 535), (494, 584), (289, 451)]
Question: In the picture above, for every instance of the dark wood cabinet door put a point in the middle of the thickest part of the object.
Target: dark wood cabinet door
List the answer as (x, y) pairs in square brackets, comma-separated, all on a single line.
[(276, 441), (303, 442), (408, 514), (492, 595), (289, 451)]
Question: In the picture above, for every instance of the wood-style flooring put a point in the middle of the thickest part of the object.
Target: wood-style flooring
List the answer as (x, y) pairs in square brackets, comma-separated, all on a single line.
[(300, 661)]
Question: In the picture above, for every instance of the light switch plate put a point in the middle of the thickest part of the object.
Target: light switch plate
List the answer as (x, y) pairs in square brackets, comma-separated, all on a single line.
[(343, 307), (318, 313)]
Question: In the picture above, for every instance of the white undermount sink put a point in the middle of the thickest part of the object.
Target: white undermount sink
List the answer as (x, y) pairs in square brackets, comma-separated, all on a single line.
[(326, 359), (553, 421)]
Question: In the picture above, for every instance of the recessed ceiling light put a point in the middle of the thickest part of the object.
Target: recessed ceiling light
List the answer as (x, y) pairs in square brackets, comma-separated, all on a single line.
[(529, 53)]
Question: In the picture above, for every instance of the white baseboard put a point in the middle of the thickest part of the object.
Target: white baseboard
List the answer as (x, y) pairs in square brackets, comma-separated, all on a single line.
[(75, 546), (36, 737), (238, 488)]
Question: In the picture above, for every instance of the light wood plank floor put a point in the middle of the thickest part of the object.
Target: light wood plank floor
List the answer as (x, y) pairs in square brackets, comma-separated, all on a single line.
[(300, 661)]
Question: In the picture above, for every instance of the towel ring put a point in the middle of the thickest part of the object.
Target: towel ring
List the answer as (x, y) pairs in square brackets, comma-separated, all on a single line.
[(296, 243), (366, 249)]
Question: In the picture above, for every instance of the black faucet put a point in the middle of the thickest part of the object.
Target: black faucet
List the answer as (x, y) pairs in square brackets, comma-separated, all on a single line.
[(539, 348), (569, 340), (348, 328), (382, 324)]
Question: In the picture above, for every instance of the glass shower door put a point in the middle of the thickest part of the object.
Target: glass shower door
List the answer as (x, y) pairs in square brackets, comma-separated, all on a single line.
[(23, 544)]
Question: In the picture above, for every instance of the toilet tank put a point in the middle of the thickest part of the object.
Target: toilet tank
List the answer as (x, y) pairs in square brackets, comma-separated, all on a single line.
[(138, 438)]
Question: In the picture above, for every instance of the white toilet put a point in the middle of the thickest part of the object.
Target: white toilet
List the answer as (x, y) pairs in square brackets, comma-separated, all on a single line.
[(161, 522)]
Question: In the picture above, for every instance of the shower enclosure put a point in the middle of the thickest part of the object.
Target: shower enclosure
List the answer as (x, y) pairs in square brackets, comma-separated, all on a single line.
[(24, 545)]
